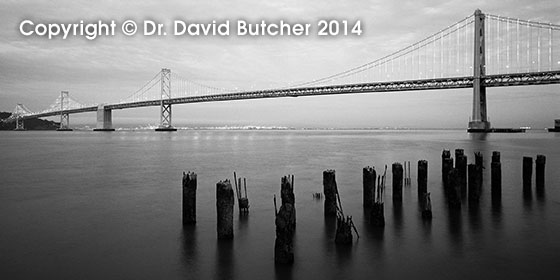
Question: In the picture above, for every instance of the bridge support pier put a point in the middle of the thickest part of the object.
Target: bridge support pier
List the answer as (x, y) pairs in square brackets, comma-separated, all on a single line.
[(479, 121), (64, 117), (19, 124), (104, 119), (165, 115)]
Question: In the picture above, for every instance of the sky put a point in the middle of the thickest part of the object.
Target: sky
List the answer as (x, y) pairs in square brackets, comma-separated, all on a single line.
[(33, 70)]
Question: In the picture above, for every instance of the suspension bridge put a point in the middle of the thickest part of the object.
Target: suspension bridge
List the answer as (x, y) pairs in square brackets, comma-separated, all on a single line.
[(480, 51)]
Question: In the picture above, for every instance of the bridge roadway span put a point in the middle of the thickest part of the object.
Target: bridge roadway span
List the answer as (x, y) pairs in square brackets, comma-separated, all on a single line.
[(517, 79)]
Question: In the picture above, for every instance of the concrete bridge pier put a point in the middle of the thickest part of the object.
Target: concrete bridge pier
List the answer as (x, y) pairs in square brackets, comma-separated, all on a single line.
[(104, 119)]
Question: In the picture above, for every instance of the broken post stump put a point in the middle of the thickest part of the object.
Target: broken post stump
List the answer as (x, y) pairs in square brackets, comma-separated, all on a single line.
[(454, 190), (496, 177), (224, 207), (287, 195), (527, 175), (189, 198), (397, 170), (283, 245), (422, 178), (329, 190), (369, 177), (539, 172), (377, 215)]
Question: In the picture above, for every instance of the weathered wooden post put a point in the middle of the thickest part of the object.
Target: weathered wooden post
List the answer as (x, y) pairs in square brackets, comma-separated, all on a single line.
[(397, 171), (454, 190), (479, 161), (496, 177), (329, 190), (189, 198), (283, 245), (461, 165), (539, 173), (527, 175), (285, 222), (445, 167), (224, 207), (377, 214), (369, 176), (422, 179)]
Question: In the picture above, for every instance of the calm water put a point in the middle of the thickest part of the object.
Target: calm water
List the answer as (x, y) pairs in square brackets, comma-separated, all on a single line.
[(85, 205)]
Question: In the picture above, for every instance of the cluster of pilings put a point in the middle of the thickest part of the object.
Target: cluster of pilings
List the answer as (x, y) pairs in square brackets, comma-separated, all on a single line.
[(461, 180)]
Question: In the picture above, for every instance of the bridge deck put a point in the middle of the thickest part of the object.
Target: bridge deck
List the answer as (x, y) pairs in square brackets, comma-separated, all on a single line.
[(516, 79)]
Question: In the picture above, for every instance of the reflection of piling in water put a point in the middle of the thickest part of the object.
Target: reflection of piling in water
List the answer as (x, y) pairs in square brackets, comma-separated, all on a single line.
[(447, 165), (474, 184), (369, 176), (189, 198), (539, 173), (427, 207), (527, 176), (454, 190), (461, 165), (285, 223), (397, 170), (224, 207), (329, 190), (422, 179), (377, 215), (496, 178), (479, 161), (344, 227)]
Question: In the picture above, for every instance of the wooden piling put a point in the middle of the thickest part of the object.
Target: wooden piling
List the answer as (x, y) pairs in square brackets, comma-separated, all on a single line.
[(496, 178), (447, 165), (527, 175), (444, 168), (461, 165), (479, 161), (397, 170), (422, 179), (377, 215), (539, 173), (283, 245), (369, 177), (189, 198), (224, 207), (329, 190), (454, 190)]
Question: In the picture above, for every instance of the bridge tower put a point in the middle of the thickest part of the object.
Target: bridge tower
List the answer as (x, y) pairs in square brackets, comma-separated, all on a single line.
[(64, 117), (479, 120), (165, 106), (18, 112)]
